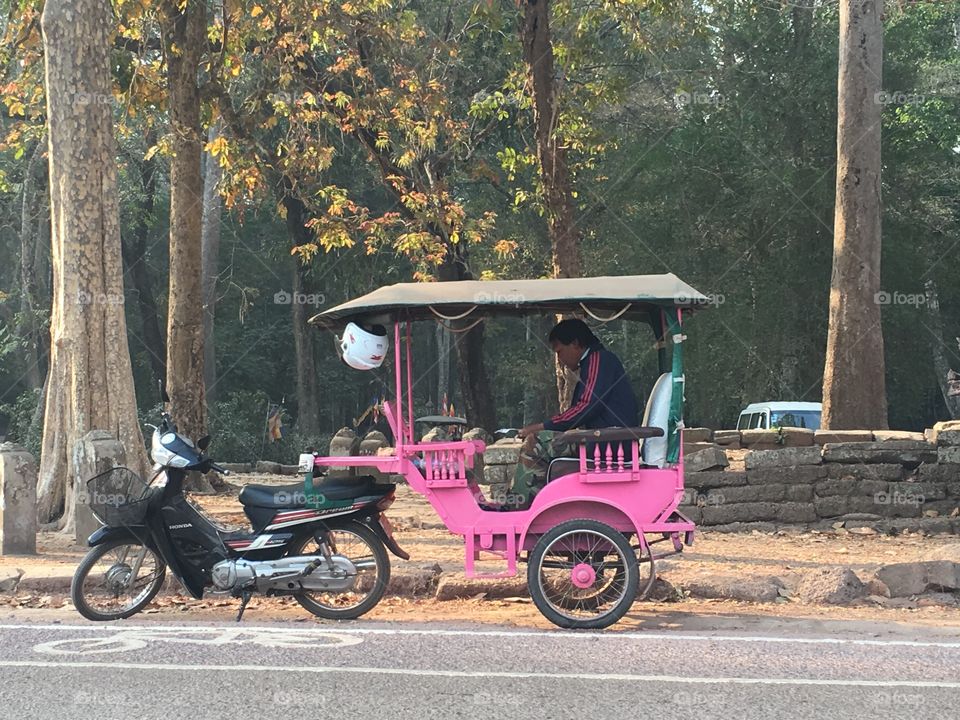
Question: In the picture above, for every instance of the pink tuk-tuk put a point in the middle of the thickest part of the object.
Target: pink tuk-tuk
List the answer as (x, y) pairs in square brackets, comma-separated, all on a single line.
[(589, 537)]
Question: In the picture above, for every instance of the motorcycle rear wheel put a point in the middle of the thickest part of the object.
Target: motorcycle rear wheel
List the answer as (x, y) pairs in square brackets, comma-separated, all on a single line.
[(363, 548)]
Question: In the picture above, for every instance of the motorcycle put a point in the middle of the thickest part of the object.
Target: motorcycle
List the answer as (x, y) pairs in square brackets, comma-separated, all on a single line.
[(324, 544)]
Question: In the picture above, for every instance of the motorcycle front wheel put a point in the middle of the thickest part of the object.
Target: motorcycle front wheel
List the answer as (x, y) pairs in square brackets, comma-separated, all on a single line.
[(361, 546), (116, 580)]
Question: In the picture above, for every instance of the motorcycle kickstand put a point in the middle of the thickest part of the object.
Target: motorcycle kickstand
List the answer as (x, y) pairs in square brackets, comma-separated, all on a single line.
[(245, 596)]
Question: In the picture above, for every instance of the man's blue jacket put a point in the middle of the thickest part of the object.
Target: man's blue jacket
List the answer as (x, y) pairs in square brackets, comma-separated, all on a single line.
[(603, 396)]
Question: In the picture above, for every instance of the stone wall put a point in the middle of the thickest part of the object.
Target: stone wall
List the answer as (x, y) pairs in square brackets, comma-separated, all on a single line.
[(887, 481), (884, 480)]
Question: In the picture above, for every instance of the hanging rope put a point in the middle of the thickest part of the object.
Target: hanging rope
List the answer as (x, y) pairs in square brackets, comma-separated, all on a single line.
[(605, 319), (468, 328), (450, 318)]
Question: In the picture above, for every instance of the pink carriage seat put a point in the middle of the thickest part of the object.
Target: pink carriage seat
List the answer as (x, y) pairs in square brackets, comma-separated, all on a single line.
[(653, 450)]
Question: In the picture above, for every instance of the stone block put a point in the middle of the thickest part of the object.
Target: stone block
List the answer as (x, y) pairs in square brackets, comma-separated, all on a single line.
[(693, 512), (708, 459), (739, 512), (948, 454), (372, 442), (785, 457), (837, 486), (714, 479), (822, 437), (478, 433), (830, 586), (888, 435), (697, 435), (796, 512), (888, 472), (744, 589), (18, 501), (750, 438), (797, 474), (502, 453), (830, 506), (946, 432), (96, 452), (345, 442), (727, 439), (690, 448), (909, 453), (939, 472), (267, 467), (913, 578), (796, 437), (497, 474)]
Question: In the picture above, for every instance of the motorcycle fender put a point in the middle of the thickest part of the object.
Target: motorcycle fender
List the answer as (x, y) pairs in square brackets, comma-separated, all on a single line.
[(107, 533), (384, 530)]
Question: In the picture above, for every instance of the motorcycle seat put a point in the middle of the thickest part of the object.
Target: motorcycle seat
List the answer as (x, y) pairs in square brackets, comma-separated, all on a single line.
[(292, 496)]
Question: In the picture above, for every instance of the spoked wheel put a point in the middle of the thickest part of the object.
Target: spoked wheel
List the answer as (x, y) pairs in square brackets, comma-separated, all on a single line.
[(116, 580), (361, 546), (608, 583), (583, 574)]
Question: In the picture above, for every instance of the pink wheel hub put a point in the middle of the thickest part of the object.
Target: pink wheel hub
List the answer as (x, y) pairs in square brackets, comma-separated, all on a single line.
[(583, 576)]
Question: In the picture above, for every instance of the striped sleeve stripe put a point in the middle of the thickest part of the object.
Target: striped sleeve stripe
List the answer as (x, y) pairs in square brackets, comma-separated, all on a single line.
[(588, 389)]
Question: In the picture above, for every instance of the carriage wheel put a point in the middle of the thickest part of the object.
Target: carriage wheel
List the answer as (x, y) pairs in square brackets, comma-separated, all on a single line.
[(583, 574)]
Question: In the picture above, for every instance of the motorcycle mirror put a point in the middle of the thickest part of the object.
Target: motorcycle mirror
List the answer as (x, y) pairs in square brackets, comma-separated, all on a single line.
[(203, 443)]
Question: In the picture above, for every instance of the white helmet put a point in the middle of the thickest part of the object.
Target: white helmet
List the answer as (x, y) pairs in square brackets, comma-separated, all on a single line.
[(362, 349)]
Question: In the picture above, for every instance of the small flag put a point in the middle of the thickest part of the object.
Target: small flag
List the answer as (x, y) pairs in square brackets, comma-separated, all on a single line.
[(275, 423)]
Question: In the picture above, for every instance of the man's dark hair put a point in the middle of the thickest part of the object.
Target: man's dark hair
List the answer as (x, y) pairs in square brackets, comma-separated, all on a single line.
[(572, 330)]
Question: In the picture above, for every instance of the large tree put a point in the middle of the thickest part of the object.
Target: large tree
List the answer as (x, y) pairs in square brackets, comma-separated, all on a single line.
[(854, 389), (90, 383), (184, 40)]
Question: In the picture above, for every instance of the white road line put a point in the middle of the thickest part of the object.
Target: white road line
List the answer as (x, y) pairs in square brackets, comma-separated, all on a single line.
[(487, 675), (564, 634)]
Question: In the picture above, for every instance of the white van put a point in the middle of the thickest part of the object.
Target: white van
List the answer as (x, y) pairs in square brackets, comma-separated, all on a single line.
[(767, 415)]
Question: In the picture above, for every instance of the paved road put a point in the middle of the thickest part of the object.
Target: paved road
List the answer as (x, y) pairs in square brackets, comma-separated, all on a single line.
[(368, 670)]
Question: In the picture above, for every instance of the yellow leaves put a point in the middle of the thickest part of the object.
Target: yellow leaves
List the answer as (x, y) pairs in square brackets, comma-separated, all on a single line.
[(505, 248), (256, 11), (219, 148)]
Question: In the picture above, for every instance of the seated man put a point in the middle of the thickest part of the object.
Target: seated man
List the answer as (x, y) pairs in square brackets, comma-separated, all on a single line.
[(602, 398)]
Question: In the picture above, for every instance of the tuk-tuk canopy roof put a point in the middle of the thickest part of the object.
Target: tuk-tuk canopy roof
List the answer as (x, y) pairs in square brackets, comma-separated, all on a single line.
[(603, 298)]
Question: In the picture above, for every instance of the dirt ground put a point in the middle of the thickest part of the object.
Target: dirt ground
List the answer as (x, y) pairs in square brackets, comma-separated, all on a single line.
[(786, 554)]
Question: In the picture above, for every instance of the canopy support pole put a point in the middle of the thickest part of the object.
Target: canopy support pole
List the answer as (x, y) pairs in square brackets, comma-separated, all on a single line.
[(409, 379), (398, 389)]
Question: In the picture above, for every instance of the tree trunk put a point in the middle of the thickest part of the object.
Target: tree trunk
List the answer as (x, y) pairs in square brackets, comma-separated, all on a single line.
[(558, 199), (134, 247), (210, 245), (443, 366), (308, 406), (90, 383), (29, 303), (941, 365), (184, 37), (474, 382), (854, 387)]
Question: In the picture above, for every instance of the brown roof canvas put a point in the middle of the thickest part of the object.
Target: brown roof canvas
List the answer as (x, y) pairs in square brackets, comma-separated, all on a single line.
[(625, 296)]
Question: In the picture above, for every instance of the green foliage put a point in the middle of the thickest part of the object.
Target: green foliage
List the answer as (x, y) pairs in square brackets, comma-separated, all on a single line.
[(20, 414)]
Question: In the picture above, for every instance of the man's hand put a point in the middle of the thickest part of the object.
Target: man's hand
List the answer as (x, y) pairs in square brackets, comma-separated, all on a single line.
[(529, 430)]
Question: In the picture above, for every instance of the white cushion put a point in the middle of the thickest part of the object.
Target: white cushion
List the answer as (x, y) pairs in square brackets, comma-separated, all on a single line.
[(657, 414)]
